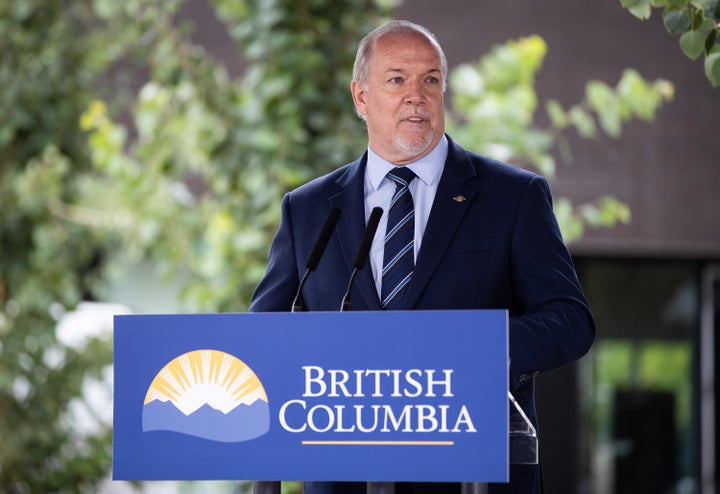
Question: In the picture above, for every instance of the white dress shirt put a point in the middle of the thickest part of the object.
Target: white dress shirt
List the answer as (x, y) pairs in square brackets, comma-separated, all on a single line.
[(379, 191)]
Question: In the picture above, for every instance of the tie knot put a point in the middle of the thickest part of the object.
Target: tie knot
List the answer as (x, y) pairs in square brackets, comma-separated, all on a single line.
[(401, 175)]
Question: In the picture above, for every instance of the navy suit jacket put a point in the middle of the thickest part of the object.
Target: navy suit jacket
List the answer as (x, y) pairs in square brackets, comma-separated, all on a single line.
[(491, 242)]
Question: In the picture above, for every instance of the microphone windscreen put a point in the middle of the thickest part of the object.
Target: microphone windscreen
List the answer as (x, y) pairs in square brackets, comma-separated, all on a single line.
[(323, 239), (367, 239)]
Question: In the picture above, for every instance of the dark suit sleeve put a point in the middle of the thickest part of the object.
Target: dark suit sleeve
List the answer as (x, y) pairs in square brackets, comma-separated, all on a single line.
[(551, 324), (276, 291)]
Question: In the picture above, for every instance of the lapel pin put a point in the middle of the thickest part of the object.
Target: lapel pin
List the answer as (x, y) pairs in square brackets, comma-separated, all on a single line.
[(459, 198)]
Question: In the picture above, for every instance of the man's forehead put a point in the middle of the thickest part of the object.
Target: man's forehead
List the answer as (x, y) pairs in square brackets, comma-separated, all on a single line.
[(413, 40), (399, 50)]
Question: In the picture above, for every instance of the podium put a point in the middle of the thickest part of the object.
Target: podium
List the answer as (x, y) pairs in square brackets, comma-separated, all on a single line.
[(325, 396)]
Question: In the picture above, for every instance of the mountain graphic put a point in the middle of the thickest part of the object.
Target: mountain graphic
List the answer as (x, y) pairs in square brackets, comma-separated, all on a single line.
[(243, 423)]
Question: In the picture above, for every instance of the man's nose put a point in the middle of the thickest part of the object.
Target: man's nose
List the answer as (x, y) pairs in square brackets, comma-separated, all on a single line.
[(415, 93)]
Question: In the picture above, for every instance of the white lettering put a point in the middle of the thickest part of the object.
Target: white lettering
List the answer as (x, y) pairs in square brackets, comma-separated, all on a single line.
[(330, 418), (358, 418), (299, 416), (443, 418), (283, 422), (447, 382), (359, 373), (464, 418), (414, 383), (426, 418), (338, 378), (377, 373), (404, 415), (318, 379), (396, 383), (366, 419), (339, 419)]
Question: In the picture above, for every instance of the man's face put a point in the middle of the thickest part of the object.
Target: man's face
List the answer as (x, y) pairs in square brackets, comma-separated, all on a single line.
[(402, 99)]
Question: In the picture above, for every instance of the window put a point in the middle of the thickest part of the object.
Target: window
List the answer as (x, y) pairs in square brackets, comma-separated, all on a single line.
[(639, 384)]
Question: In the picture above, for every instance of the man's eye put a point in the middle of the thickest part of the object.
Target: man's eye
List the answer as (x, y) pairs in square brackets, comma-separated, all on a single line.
[(432, 80), (396, 80)]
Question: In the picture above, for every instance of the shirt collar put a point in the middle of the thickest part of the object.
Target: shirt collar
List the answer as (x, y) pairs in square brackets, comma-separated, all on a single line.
[(428, 168)]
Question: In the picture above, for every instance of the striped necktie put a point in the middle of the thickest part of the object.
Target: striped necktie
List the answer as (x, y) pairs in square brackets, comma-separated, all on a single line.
[(399, 257)]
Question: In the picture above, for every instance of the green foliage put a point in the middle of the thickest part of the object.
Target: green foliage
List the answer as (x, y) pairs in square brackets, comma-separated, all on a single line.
[(197, 191), (46, 263), (696, 22), (493, 103), (493, 109)]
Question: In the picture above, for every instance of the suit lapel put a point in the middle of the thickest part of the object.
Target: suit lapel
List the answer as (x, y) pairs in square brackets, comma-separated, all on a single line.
[(350, 228), (454, 196)]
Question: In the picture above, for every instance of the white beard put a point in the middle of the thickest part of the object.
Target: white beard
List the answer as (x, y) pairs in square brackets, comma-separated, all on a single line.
[(415, 145)]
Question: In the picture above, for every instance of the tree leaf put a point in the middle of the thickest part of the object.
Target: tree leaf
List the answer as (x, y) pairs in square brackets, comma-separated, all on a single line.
[(696, 18), (677, 22), (628, 4), (571, 224), (602, 99), (692, 43), (710, 40), (642, 12), (712, 68), (556, 114), (706, 6), (639, 8), (583, 122)]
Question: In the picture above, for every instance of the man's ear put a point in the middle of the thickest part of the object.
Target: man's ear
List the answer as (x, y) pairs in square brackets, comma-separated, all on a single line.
[(358, 95)]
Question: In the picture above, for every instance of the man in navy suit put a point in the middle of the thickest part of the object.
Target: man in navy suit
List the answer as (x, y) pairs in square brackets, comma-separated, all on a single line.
[(485, 236)]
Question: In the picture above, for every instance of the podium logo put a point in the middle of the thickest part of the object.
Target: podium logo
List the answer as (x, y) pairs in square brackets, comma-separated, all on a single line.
[(208, 394)]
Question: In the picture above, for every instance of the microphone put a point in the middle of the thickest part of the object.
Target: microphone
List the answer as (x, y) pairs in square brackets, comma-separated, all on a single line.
[(316, 253), (362, 253)]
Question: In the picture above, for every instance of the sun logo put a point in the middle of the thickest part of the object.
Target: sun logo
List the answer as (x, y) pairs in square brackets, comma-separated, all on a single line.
[(208, 394)]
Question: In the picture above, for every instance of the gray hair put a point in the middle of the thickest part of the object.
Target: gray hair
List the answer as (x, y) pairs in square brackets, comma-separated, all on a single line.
[(397, 27)]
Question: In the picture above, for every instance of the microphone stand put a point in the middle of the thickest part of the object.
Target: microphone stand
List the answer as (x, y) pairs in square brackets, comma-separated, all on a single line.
[(362, 254), (274, 487), (315, 255)]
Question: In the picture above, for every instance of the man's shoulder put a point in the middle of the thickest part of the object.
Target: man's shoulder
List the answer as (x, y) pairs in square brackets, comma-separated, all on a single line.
[(330, 182)]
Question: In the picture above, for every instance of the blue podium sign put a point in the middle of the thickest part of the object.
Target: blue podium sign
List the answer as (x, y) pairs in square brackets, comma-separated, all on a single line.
[(347, 396)]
